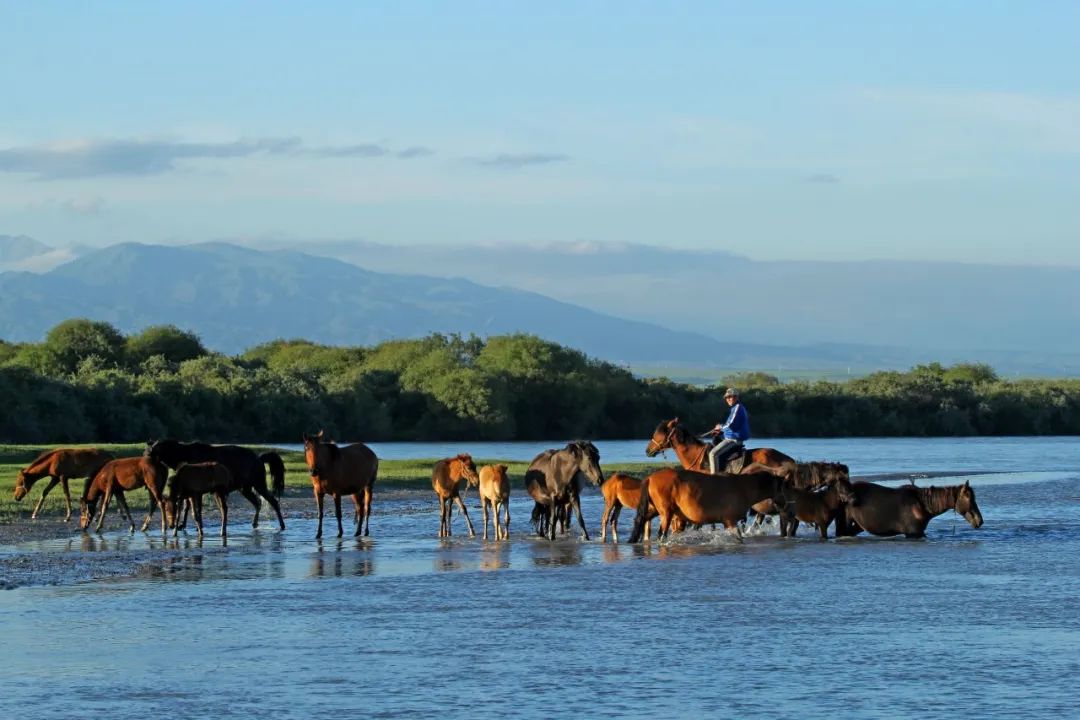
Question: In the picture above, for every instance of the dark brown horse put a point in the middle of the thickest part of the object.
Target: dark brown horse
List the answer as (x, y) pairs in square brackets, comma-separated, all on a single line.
[(337, 471), (248, 472), (906, 510), (61, 465), (697, 498), (808, 476), (447, 478), (554, 480), (693, 453), (818, 506), (118, 476), (189, 483)]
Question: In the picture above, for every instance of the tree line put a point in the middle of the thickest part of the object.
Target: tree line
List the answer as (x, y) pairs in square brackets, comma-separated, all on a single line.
[(88, 382)]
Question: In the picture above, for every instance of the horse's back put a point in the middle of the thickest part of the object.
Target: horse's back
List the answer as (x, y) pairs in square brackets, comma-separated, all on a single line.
[(882, 510)]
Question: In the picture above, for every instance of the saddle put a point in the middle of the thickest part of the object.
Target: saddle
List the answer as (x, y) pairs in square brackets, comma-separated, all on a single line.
[(734, 460)]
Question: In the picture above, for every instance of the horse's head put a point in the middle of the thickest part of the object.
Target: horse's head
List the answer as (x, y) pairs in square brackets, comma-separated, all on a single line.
[(162, 452), (463, 466), (832, 472), (661, 437), (588, 461), (317, 454), (20, 485), (966, 505), (87, 510)]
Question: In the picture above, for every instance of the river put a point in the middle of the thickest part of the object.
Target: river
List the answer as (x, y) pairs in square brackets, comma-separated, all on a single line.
[(964, 623)]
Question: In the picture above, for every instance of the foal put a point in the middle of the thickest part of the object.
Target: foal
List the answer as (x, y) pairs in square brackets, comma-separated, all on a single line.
[(190, 482), (116, 476), (621, 490), (819, 507), (446, 479), (60, 465), (495, 490)]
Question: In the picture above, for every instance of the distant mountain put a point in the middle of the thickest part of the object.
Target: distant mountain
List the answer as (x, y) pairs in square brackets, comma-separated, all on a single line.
[(236, 297), (1019, 318), (18, 252)]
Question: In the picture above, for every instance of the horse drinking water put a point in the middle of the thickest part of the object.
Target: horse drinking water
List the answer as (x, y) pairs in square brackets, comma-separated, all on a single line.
[(117, 476)]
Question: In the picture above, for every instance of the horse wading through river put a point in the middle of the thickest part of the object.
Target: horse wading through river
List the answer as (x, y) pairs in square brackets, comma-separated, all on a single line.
[(337, 471), (554, 479)]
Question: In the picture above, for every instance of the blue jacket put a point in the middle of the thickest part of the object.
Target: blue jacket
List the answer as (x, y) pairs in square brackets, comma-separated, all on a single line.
[(737, 426)]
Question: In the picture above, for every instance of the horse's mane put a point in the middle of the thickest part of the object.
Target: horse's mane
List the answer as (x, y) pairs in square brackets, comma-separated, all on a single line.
[(937, 500)]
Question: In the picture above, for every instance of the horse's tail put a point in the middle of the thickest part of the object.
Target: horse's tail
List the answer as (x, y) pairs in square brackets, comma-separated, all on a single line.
[(277, 472), (642, 515)]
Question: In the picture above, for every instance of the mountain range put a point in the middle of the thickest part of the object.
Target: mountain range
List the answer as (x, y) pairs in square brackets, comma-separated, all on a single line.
[(639, 305)]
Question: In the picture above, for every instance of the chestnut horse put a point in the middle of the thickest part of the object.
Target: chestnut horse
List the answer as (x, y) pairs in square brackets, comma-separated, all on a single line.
[(621, 490), (693, 453), (118, 476), (819, 507), (60, 465), (190, 482), (698, 498), (907, 510), (446, 478), (338, 471), (495, 491)]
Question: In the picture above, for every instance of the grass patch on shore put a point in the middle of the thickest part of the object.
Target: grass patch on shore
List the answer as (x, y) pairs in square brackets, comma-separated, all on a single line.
[(393, 474)]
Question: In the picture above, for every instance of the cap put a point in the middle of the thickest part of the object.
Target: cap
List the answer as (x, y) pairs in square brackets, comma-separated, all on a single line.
[(731, 392)]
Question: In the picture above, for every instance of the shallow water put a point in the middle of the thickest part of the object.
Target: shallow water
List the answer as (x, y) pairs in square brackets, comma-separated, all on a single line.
[(969, 623)]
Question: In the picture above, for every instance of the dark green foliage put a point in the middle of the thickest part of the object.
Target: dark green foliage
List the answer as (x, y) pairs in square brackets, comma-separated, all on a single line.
[(87, 382)]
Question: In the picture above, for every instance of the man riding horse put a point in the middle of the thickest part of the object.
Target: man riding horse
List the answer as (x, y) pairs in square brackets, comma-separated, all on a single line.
[(735, 431)]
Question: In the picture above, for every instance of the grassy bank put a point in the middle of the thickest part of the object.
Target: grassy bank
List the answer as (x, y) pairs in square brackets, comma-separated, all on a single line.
[(393, 474)]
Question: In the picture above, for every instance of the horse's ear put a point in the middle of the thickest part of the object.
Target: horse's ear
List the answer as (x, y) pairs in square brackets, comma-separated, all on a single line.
[(320, 433), (967, 484), (305, 437), (675, 421)]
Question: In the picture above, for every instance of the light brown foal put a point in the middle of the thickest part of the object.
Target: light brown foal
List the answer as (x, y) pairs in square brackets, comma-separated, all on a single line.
[(495, 490), (446, 479)]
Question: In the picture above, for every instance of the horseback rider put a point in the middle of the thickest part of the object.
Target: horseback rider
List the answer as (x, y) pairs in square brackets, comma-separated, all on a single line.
[(735, 431)]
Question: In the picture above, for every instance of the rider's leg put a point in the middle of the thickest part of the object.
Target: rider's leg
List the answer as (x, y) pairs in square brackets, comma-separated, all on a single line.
[(717, 452)]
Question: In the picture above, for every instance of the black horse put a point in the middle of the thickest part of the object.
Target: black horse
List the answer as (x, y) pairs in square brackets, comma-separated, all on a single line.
[(248, 472), (553, 479)]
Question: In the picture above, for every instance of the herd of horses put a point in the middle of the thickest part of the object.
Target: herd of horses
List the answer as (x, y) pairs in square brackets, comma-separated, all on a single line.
[(754, 484)]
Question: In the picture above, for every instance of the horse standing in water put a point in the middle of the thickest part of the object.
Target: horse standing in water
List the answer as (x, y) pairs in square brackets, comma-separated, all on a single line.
[(495, 491), (621, 490), (553, 479), (337, 471), (446, 479), (190, 482), (117, 476), (818, 507), (905, 510), (248, 472), (693, 453), (697, 498), (808, 476), (60, 465)]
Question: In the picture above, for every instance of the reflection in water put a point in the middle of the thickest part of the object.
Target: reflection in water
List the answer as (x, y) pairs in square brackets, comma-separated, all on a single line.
[(495, 556), (333, 559), (565, 552)]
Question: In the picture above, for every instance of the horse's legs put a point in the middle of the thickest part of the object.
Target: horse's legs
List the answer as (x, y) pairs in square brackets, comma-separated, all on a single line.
[(274, 504), (442, 516), (484, 508), (506, 528), (319, 504), (104, 506), (155, 502), (122, 502), (252, 498), (465, 512), (358, 514), (67, 496), (337, 513), (196, 504), (367, 507), (41, 501), (581, 518), (223, 507)]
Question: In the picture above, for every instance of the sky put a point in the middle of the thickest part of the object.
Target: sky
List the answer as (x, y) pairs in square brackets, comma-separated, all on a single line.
[(942, 131)]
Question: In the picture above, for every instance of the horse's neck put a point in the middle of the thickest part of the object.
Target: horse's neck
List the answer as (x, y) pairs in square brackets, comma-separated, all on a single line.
[(937, 500), (690, 452)]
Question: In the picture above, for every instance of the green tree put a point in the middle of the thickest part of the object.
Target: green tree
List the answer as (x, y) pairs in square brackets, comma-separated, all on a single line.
[(169, 341), (72, 341)]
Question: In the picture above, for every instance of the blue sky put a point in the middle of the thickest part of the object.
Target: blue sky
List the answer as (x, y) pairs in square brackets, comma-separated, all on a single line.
[(915, 130)]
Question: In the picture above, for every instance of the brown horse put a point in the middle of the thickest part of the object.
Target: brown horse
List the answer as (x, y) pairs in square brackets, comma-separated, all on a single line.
[(819, 507), (118, 476), (495, 491), (808, 476), (907, 510), (338, 471), (446, 478), (190, 482), (621, 490), (698, 498), (693, 453), (60, 465)]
